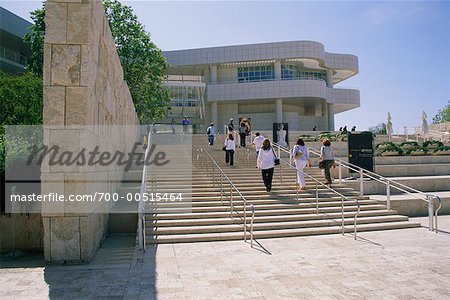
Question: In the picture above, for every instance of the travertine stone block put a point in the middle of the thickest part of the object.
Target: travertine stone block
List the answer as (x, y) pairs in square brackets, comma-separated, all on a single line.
[(47, 244), (47, 64), (88, 66), (52, 183), (68, 142), (56, 22), (65, 238), (77, 110), (66, 65), (54, 105), (78, 23)]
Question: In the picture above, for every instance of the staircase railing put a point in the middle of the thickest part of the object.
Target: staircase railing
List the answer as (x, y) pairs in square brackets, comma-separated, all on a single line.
[(389, 183), (204, 156), (142, 192), (280, 149)]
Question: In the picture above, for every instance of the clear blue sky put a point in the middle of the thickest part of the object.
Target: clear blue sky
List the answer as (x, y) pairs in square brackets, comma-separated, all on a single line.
[(403, 47)]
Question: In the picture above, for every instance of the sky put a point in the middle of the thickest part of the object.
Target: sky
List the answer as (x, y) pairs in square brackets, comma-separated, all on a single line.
[(403, 46)]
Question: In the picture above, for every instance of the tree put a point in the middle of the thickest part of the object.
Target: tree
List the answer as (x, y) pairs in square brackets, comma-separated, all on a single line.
[(380, 128), (35, 37), (144, 66), (20, 104), (443, 115), (20, 99)]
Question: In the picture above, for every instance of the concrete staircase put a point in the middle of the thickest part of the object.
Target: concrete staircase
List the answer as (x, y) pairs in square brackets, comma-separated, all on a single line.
[(277, 214)]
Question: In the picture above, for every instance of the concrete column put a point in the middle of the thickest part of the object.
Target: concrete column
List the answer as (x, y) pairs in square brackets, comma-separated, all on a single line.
[(277, 69), (330, 78), (213, 74), (279, 110), (318, 109), (330, 111), (215, 114)]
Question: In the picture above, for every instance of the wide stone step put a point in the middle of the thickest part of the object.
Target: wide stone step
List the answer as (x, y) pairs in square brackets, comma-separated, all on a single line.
[(263, 219), (208, 237), (204, 207), (269, 212), (225, 201), (153, 230)]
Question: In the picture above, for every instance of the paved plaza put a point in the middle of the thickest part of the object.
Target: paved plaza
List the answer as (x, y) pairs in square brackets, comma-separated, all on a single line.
[(396, 264)]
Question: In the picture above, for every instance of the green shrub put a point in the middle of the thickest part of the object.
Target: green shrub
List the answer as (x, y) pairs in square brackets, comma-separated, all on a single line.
[(441, 148), (326, 135), (418, 148), (391, 148), (433, 143)]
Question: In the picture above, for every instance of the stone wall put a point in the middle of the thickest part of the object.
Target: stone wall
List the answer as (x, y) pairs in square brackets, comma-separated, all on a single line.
[(83, 85), (443, 127), (20, 233)]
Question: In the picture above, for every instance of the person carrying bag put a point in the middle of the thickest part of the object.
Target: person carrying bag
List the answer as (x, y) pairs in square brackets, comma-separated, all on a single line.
[(229, 147), (266, 163), (326, 160)]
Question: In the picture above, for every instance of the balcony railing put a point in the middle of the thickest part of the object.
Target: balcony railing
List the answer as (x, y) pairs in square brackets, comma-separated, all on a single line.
[(265, 80), (13, 56)]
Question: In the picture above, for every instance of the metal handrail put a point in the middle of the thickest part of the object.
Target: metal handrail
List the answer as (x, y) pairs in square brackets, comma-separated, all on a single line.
[(327, 187), (390, 183), (142, 191), (232, 186)]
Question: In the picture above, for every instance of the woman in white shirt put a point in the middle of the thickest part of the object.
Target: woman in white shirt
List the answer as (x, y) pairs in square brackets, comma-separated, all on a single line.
[(230, 146), (266, 162), (300, 154)]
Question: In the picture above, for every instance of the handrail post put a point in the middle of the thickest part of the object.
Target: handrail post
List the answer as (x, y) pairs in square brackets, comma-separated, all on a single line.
[(245, 219), (251, 225), (214, 177), (430, 212), (221, 187), (281, 174), (361, 182), (231, 200), (317, 198), (340, 171), (436, 219), (342, 213), (388, 195)]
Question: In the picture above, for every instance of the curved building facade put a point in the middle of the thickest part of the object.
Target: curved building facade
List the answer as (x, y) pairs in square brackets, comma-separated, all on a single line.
[(289, 82)]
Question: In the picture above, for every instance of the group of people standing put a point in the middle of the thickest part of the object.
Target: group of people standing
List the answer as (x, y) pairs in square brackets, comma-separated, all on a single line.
[(266, 158)]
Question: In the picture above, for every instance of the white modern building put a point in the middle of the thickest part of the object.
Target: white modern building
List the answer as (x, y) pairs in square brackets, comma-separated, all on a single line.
[(292, 82)]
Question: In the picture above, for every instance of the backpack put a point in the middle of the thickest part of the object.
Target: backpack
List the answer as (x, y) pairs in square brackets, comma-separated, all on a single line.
[(208, 131), (297, 152)]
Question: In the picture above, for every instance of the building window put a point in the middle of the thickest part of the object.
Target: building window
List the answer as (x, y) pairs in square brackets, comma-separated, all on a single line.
[(256, 73), (289, 72)]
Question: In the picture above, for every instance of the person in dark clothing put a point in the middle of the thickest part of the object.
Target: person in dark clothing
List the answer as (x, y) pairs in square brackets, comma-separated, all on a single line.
[(242, 134), (230, 126)]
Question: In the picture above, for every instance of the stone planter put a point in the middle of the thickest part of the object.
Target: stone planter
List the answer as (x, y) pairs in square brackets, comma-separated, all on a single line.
[(390, 153), (442, 152), (417, 153)]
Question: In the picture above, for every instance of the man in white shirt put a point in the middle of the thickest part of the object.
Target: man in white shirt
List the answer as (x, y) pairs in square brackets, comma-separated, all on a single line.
[(258, 141), (210, 132)]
